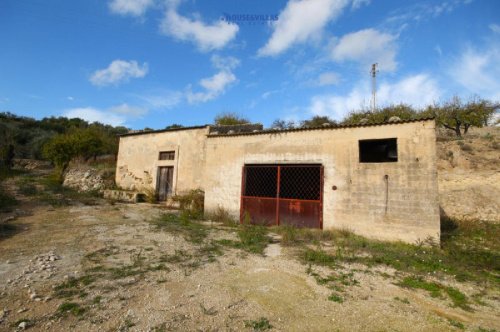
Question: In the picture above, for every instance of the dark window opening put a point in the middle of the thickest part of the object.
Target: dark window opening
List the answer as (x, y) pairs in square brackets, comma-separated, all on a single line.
[(167, 155), (261, 181), (300, 182), (378, 150)]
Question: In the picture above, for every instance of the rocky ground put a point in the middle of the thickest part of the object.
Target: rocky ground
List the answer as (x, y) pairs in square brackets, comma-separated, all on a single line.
[(91, 265), (106, 267)]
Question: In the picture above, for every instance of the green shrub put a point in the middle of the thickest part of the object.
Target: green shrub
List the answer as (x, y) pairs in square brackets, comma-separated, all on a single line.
[(191, 202)]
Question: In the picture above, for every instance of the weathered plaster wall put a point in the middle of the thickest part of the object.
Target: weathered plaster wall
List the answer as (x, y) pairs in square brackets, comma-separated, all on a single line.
[(138, 163), (359, 203)]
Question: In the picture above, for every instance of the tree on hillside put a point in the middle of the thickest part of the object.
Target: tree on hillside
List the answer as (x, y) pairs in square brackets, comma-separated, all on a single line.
[(283, 124), (457, 116), (402, 111), (174, 126), (230, 119), (60, 150), (317, 121)]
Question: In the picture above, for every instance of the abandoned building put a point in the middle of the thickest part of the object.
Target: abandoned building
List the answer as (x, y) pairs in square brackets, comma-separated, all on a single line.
[(377, 180)]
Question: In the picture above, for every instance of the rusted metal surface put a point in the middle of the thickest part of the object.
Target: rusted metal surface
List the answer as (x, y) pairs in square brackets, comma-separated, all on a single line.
[(282, 195)]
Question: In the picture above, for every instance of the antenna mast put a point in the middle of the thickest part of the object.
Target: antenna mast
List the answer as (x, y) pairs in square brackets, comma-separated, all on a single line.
[(373, 72)]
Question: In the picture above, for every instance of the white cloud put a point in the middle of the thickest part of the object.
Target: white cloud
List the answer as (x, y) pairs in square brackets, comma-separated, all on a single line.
[(91, 114), (206, 36), (300, 21), (70, 98), (117, 72), (366, 47), (359, 3), (125, 109), (495, 28), (478, 71), (215, 85), (162, 100), (418, 90), (224, 63), (130, 7), (328, 78)]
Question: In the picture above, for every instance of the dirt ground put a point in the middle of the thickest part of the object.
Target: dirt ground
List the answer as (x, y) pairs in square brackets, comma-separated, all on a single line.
[(469, 174), (48, 262)]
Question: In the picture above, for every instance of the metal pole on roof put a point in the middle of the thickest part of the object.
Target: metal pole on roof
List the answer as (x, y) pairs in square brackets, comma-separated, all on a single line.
[(374, 86)]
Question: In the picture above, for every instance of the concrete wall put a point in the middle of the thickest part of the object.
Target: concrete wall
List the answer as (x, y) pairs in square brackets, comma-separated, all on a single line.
[(138, 163), (410, 212)]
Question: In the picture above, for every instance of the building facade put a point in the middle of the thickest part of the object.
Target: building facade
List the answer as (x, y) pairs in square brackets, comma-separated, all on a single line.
[(378, 180)]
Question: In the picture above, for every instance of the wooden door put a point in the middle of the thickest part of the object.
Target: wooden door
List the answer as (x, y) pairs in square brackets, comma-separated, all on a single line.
[(164, 184)]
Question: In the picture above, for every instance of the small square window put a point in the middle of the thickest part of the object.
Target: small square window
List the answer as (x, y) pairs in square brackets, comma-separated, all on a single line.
[(167, 155), (378, 150)]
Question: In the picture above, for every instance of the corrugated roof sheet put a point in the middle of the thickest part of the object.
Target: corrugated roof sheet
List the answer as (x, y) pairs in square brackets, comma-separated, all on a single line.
[(273, 131), (162, 131)]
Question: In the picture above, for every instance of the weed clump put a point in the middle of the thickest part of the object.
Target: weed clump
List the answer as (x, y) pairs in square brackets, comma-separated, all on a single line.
[(71, 307), (191, 203), (262, 324)]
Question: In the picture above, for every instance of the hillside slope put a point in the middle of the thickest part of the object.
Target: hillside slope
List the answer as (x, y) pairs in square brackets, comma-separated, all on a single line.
[(469, 174)]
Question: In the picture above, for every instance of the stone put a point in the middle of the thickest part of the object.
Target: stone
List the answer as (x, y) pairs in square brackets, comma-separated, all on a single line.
[(22, 325)]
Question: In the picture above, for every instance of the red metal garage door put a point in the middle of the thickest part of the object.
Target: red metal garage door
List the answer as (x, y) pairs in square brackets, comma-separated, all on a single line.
[(283, 195)]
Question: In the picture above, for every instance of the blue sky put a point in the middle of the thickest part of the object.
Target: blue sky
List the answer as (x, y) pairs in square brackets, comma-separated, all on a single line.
[(151, 63)]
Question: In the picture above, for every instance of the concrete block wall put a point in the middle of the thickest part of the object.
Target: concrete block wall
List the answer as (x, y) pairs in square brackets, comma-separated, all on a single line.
[(137, 162), (403, 206)]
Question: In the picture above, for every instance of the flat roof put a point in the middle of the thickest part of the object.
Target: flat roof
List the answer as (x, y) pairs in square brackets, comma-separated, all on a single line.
[(370, 124)]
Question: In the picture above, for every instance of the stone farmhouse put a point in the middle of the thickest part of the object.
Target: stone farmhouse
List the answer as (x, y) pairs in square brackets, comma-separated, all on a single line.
[(378, 179)]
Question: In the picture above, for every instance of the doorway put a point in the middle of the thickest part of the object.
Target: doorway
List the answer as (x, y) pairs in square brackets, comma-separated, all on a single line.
[(164, 183), (283, 195)]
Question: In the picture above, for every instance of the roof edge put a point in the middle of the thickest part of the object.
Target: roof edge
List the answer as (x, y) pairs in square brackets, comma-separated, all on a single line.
[(274, 131), (163, 131)]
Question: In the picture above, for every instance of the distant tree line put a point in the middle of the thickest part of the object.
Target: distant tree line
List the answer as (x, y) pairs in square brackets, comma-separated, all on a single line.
[(455, 115), (54, 138)]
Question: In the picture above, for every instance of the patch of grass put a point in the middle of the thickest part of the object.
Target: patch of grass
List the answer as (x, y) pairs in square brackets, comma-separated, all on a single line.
[(318, 257), (402, 300), (262, 324), (57, 195), (71, 307), (253, 238), (179, 256), (456, 324), (335, 298), (98, 255), (469, 251), (221, 215), (124, 271), (458, 298), (73, 286), (6, 200), (182, 224), (412, 282), (9, 172), (26, 186), (191, 203), (97, 299)]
